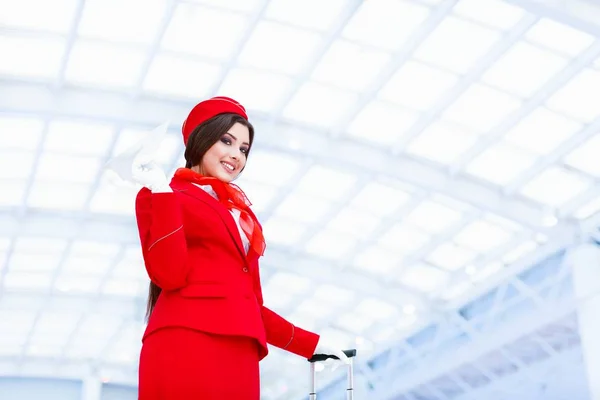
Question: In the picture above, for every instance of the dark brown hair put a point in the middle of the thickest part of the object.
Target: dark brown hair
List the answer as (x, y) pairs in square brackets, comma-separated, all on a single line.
[(202, 138)]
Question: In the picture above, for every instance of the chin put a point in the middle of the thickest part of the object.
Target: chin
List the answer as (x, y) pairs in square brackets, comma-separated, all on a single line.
[(226, 178)]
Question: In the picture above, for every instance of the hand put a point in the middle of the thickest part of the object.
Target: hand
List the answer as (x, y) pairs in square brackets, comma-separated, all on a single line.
[(135, 164), (146, 172), (325, 347)]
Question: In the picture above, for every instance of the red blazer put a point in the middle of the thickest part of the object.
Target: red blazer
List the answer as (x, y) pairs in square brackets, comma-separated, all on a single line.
[(192, 249)]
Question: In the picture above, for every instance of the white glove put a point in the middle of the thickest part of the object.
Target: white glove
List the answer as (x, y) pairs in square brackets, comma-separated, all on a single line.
[(325, 347), (136, 164), (146, 172)]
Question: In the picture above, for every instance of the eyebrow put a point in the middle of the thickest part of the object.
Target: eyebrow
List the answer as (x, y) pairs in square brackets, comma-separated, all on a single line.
[(246, 143)]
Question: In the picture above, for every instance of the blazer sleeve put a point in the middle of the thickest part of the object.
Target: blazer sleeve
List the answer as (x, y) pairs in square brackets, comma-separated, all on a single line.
[(282, 333), (162, 238)]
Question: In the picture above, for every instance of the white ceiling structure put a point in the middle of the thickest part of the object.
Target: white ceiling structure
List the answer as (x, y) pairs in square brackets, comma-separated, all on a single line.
[(411, 155)]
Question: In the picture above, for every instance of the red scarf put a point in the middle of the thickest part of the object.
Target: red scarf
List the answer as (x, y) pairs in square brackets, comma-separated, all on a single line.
[(231, 196)]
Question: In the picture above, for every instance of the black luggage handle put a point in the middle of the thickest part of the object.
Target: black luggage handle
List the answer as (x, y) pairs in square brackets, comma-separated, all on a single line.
[(322, 357)]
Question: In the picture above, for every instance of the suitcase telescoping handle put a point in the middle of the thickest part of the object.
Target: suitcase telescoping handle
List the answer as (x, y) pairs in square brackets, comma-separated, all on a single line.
[(322, 357)]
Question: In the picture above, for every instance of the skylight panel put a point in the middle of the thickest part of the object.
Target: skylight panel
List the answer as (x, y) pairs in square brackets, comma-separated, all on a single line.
[(256, 90), (482, 236), (403, 239), (57, 195), (579, 97), (56, 324), (326, 183), (100, 64), (381, 123), (303, 208), (524, 69), (32, 254), (55, 16), (377, 260), (385, 24), (350, 66), (559, 37), (27, 281), (356, 324), (290, 282), (586, 157), (98, 326), (20, 321), (417, 86), (75, 169), (260, 195), (25, 132), (4, 246), (234, 5), (333, 295), (375, 308), (271, 168), (284, 231), (379, 199), (112, 199), (78, 283), (330, 244), (123, 287), (495, 13), (519, 252), (176, 76), (481, 108), (308, 105), (81, 138), (90, 258), (442, 142), (8, 160), (44, 262), (192, 24), (12, 192), (269, 48), (486, 271), (451, 257), (433, 217), (555, 186), (542, 131), (424, 278), (277, 298), (500, 164), (456, 290), (303, 13), (31, 57), (126, 22), (354, 222), (457, 45), (588, 209), (131, 266), (314, 308)]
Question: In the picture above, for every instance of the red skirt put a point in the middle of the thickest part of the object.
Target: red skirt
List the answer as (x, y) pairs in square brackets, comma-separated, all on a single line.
[(181, 363)]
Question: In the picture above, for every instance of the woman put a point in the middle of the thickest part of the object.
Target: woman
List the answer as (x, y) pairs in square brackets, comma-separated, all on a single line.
[(207, 325)]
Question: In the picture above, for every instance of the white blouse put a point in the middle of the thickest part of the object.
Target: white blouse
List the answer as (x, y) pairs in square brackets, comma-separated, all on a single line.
[(236, 216)]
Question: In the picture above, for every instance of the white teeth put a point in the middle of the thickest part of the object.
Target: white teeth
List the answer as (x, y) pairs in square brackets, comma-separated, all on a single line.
[(228, 166)]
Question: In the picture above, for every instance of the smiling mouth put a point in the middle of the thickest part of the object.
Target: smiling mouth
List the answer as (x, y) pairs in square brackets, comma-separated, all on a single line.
[(228, 167)]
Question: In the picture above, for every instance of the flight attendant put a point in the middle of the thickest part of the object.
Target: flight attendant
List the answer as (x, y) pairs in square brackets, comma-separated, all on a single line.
[(207, 325)]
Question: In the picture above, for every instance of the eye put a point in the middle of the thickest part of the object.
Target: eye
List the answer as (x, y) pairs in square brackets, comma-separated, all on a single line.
[(226, 140), (244, 150)]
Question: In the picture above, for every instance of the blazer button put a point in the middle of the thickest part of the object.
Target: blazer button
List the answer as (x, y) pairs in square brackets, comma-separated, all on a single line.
[(245, 269)]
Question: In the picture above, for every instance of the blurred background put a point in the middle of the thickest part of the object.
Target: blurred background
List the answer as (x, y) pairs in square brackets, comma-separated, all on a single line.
[(426, 172)]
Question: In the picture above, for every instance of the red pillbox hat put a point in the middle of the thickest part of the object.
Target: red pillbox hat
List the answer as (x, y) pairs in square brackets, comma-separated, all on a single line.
[(207, 109)]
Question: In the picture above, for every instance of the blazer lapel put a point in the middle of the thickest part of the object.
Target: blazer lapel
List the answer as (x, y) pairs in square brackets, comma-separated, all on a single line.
[(223, 212)]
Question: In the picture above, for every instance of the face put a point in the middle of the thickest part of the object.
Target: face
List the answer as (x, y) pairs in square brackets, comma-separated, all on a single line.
[(227, 157)]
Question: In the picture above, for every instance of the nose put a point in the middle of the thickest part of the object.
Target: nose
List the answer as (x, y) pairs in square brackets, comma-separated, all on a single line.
[(235, 154)]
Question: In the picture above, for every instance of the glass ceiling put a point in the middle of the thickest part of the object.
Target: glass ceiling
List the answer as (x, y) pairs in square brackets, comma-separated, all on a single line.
[(407, 152)]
